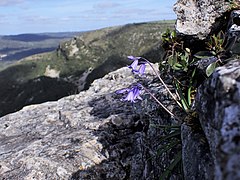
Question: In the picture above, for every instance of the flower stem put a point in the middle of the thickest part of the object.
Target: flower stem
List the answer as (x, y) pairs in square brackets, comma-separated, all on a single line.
[(159, 77), (168, 111)]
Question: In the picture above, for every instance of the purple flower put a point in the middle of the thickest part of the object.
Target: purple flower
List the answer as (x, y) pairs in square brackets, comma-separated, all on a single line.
[(133, 58), (134, 65), (136, 62), (141, 69), (133, 93)]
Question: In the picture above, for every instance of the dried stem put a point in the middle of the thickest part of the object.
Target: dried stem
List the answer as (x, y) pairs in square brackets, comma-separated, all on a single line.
[(159, 77), (168, 111)]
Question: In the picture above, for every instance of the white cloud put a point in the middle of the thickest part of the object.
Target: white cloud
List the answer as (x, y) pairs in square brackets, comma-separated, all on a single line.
[(106, 5), (10, 2), (37, 19)]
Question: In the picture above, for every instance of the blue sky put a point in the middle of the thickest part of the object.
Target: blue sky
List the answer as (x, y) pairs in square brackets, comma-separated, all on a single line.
[(34, 16)]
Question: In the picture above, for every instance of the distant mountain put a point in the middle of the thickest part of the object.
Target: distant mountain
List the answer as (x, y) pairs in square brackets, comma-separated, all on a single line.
[(77, 62), (27, 37), (39, 37), (28, 52), (16, 47)]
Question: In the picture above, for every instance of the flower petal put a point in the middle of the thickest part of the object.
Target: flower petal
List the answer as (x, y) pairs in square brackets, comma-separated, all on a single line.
[(121, 91), (129, 97), (141, 69), (133, 58), (133, 93), (134, 65)]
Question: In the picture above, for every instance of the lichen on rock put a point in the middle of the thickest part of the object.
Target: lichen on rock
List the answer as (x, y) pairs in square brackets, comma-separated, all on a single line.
[(218, 103), (199, 18), (92, 135)]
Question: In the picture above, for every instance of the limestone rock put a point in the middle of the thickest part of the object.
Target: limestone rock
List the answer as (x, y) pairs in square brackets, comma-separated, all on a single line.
[(197, 18), (92, 135), (54, 139), (196, 156), (218, 104)]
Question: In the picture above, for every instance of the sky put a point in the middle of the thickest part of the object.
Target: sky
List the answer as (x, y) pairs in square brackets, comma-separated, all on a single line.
[(37, 16)]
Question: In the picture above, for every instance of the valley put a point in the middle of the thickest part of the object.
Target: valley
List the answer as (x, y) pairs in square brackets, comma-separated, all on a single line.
[(75, 62)]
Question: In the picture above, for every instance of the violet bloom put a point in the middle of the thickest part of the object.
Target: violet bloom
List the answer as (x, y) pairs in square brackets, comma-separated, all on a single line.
[(136, 62), (134, 65), (133, 93), (141, 69), (133, 58)]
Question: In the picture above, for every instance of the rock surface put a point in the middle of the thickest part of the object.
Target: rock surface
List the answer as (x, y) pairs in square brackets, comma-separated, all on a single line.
[(92, 135), (197, 18), (218, 104), (196, 156), (55, 139)]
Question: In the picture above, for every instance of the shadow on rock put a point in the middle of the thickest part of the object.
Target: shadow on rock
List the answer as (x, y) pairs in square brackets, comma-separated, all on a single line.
[(121, 137)]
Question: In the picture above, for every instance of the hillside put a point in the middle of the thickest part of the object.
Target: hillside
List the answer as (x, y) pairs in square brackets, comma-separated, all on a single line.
[(77, 62), (16, 47), (28, 37)]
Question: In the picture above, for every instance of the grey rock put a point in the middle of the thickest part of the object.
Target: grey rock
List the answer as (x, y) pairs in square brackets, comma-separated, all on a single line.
[(196, 156), (218, 104), (54, 139), (233, 31), (199, 18), (92, 135)]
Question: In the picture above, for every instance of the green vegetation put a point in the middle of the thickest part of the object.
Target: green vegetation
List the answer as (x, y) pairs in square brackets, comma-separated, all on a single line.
[(98, 50), (93, 48), (186, 68), (234, 4)]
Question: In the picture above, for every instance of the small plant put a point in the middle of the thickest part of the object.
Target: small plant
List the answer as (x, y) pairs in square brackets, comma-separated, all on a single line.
[(169, 144), (171, 139), (234, 4), (210, 59), (178, 63), (181, 67), (132, 94), (215, 44)]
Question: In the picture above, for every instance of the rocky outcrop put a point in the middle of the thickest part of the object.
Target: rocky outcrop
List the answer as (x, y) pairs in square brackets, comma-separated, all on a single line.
[(212, 153), (199, 18), (55, 139), (218, 104), (210, 146), (92, 135)]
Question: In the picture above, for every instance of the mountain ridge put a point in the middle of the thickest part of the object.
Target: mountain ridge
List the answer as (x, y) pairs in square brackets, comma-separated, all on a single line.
[(94, 53)]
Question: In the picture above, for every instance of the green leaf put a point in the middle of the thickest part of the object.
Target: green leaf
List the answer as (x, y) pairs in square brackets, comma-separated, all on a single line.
[(171, 60), (173, 34), (183, 100), (177, 66), (211, 67), (203, 54), (167, 172), (175, 133), (189, 96)]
